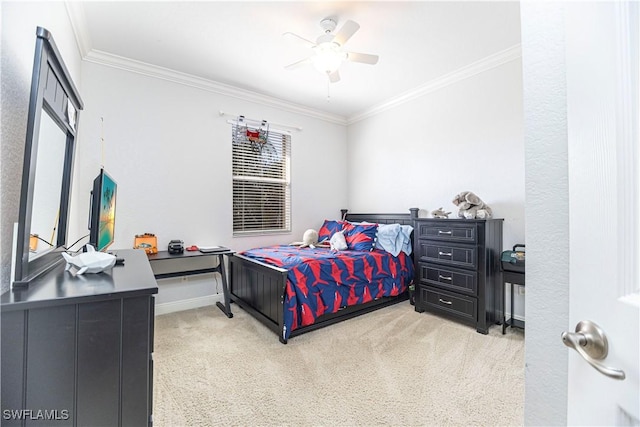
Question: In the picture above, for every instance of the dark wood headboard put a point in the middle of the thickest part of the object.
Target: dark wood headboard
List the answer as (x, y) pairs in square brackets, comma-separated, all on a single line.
[(384, 218), (381, 218)]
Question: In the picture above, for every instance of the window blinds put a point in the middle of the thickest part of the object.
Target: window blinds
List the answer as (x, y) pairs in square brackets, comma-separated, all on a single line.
[(261, 183)]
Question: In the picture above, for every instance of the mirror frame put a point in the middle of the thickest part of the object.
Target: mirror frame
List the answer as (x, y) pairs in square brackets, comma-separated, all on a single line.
[(53, 91)]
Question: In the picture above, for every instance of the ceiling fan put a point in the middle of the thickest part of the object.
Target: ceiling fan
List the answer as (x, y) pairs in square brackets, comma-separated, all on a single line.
[(328, 53)]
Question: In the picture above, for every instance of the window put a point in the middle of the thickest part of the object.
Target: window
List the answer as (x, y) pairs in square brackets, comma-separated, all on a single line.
[(261, 181)]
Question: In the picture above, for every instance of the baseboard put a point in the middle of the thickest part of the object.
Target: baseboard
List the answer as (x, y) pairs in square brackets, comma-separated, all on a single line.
[(187, 304), (507, 315)]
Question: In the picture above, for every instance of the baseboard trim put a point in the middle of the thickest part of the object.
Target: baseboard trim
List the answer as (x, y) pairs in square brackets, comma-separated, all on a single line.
[(507, 315), (187, 304)]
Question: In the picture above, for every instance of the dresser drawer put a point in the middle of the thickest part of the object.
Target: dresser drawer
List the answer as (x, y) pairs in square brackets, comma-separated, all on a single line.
[(448, 231), (463, 281), (457, 305), (460, 256)]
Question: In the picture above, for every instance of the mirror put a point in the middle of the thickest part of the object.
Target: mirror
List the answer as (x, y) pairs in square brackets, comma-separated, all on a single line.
[(52, 121), (43, 232)]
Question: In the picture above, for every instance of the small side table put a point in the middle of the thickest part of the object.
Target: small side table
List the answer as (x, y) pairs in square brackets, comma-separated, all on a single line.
[(180, 271), (513, 278)]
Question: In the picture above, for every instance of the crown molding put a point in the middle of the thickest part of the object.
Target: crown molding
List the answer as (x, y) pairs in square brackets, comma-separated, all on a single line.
[(162, 73), (131, 65), (475, 68), (77, 18), (75, 11)]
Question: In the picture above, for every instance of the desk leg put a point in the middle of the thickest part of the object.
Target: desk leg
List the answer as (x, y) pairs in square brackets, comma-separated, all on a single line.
[(226, 308), (504, 305), (511, 308)]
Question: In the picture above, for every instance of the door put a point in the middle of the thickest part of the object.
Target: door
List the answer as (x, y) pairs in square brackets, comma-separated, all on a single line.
[(602, 96)]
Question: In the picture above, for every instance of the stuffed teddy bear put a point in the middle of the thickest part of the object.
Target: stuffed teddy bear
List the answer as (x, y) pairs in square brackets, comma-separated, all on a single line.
[(471, 206)]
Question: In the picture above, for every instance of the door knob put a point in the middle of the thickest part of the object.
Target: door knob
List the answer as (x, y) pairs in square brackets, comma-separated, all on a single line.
[(590, 341)]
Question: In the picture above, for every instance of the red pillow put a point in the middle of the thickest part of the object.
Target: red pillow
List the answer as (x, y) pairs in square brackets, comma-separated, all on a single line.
[(328, 228), (360, 237)]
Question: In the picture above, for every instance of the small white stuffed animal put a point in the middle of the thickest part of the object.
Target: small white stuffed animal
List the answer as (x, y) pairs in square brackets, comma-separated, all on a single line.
[(309, 239), (337, 241), (90, 261), (440, 213)]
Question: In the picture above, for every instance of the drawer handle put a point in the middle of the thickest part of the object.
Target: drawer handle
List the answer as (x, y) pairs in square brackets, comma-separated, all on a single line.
[(444, 253), (445, 302), (440, 276), (445, 232)]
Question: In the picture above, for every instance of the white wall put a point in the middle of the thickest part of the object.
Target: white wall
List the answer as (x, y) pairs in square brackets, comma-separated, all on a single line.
[(547, 192), (169, 150), (18, 22), (464, 136)]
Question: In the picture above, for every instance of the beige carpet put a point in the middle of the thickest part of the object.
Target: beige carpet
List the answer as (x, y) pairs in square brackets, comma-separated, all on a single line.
[(390, 367)]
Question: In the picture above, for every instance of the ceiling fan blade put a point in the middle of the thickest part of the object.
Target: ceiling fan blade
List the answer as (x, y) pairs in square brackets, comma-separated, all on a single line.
[(334, 77), (309, 42), (297, 64), (364, 58), (348, 29)]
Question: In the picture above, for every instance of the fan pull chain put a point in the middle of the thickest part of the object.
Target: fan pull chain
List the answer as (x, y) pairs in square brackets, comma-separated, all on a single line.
[(328, 90)]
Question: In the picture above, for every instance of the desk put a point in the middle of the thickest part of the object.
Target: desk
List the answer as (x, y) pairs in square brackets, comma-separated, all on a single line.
[(180, 269), (513, 278)]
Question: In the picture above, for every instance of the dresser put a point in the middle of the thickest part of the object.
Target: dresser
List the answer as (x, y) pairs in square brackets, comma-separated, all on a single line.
[(77, 350), (457, 264)]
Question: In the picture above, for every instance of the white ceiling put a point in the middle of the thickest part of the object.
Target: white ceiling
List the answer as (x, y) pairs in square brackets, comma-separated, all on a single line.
[(241, 44)]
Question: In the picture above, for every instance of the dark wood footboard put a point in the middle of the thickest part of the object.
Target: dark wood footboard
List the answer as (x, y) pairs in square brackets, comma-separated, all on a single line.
[(259, 288)]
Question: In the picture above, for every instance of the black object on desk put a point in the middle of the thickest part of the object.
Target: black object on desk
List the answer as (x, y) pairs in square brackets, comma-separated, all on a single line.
[(181, 270)]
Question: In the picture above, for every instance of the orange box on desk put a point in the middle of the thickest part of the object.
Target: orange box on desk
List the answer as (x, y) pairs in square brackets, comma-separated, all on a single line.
[(146, 241)]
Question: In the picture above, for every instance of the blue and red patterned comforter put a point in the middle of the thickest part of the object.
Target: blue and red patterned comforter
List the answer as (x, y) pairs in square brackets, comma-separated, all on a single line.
[(322, 281)]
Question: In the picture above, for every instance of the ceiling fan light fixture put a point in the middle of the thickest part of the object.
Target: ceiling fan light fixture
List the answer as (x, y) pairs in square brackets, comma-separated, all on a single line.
[(327, 57), (328, 52)]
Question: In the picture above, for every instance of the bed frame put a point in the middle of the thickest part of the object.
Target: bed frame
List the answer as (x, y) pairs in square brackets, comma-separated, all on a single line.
[(259, 288)]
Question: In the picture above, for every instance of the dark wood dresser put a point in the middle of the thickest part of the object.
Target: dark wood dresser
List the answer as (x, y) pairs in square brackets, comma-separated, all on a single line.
[(77, 350), (458, 269)]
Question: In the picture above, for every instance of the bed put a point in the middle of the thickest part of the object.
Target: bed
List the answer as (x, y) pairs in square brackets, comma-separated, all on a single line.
[(296, 290)]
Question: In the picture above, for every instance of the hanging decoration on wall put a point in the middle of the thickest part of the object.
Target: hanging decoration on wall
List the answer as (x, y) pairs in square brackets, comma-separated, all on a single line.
[(102, 142), (298, 128), (258, 137)]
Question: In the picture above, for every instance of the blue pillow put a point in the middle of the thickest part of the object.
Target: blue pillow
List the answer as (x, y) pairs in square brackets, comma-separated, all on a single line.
[(328, 228), (394, 238), (388, 238), (360, 237)]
